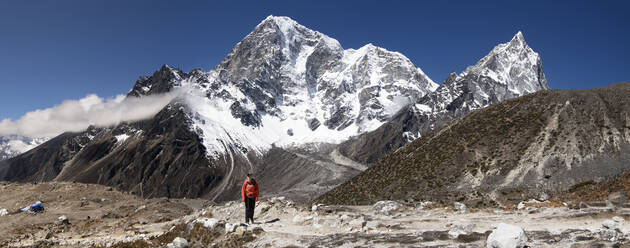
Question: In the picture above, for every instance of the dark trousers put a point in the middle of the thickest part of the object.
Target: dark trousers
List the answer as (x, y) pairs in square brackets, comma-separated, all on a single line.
[(250, 204)]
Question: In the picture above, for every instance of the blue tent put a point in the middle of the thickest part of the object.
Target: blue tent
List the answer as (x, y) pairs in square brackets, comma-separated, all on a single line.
[(37, 207)]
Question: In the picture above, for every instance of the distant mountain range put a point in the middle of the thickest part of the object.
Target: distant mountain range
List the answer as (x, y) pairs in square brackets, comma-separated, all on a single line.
[(287, 102), (13, 145), (511, 70)]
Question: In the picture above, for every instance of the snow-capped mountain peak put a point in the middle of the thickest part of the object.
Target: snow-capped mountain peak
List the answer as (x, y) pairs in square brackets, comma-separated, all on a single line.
[(13, 145), (295, 85), (162, 81), (510, 70), (293, 35), (513, 64), (518, 39)]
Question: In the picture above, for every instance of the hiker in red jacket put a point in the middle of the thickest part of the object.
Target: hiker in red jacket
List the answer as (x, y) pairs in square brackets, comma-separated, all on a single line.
[(249, 195)]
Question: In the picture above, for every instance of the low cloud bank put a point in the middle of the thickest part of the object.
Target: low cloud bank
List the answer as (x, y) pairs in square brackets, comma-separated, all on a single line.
[(77, 115)]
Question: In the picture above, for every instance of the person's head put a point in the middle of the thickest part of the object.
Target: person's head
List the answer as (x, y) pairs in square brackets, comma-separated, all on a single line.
[(250, 175)]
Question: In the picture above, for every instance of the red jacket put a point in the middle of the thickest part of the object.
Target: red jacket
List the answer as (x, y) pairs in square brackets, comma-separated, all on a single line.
[(250, 190)]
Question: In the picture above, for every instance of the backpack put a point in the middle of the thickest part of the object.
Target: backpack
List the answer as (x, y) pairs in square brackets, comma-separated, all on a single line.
[(250, 189)]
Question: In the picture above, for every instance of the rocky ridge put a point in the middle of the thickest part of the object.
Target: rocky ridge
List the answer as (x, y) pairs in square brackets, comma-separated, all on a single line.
[(547, 143), (510, 70)]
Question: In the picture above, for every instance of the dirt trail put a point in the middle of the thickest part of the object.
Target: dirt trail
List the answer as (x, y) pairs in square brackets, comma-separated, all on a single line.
[(359, 226), (338, 158)]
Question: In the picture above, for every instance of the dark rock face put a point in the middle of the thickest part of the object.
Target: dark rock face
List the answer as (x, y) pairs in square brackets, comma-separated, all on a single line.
[(313, 124), (338, 118), (323, 58), (151, 162), (42, 163), (547, 142), (369, 147), (162, 81), (248, 118)]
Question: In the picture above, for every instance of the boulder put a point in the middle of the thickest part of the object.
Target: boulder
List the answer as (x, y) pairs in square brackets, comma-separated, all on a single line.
[(209, 223), (611, 224), (532, 202), (385, 207), (281, 200), (543, 196), (506, 236), (301, 220), (143, 207), (318, 222), (240, 230), (258, 230), (357, 223), (63, 220), (345, 218), (611, 229), (315, 207), (459, 206), (423, 205), (230, 228), (178, 243), (264, 208), (372, 225), (460, 229), (611, 235), (532, 210), (618, 198)]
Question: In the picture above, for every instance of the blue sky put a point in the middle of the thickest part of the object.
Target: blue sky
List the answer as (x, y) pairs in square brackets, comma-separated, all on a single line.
[(52, 51)]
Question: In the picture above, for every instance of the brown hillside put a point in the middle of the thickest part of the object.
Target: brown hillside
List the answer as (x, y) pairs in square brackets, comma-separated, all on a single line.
[(543, 142)]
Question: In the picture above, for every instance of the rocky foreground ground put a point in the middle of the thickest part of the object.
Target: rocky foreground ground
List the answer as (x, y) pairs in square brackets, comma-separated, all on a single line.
[(98, 216)]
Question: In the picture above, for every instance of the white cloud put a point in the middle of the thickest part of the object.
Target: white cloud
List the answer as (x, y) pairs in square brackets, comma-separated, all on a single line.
[(77, 115)]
